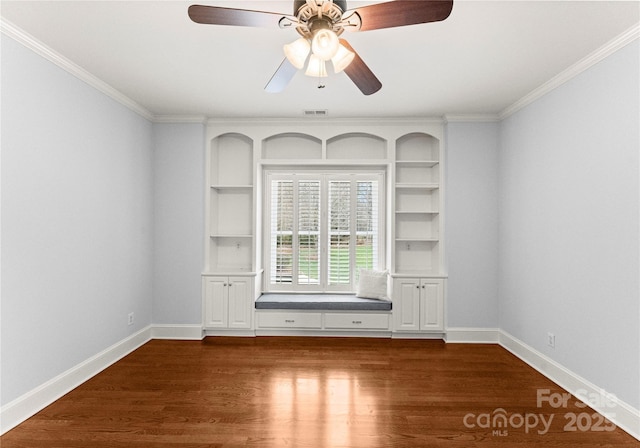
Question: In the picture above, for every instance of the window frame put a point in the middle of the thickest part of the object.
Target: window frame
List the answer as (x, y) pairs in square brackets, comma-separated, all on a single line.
[(325, 176)]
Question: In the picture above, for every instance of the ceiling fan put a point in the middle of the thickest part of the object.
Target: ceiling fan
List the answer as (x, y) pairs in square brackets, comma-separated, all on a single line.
[(320, 23)]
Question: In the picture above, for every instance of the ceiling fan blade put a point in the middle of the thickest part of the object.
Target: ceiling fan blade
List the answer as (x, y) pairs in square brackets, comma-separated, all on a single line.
[(401, 13), (215, 15), (360, 73), (281, 77)]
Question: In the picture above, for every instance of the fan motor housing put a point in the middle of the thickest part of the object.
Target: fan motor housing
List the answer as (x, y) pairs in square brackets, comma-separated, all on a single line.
[(297, 4)]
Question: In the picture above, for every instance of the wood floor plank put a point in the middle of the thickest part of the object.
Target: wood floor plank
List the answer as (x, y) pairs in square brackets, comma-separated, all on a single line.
[(310, 392)]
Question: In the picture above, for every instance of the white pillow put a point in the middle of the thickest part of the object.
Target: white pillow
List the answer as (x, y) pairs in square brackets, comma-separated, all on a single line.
[(373, 285)]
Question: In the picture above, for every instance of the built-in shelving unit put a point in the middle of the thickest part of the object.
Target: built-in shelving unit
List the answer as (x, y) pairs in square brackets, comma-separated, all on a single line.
[(229, 275), (417, 205), (230, 222), (239, 156)]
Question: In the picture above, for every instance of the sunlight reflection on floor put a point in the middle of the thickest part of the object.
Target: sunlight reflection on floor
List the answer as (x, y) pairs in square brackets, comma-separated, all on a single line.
[(320, 406)]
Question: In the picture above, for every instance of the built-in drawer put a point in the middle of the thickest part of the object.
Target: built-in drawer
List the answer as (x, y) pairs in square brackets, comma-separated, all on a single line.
[(378, 321), (288, 320)]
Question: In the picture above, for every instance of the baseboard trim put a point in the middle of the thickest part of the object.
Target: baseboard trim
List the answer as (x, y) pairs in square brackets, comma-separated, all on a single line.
[(411, 335), (623, 415), (178, 332), (25, 406), (230, 333), (463, 335)]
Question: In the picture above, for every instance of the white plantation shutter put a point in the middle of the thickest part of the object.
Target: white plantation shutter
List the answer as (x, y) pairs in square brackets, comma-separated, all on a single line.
[(281, 231), (322, 229), (367, 228), (308, 232), (339, 232)]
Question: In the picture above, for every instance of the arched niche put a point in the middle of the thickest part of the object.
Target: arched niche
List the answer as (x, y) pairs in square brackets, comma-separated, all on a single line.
[(418, 146), (356, 145), (292, 146), (231, 160)]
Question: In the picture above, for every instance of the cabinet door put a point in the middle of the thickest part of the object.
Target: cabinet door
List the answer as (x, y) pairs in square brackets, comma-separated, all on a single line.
[(432, 305), (216, 302), (406, 304), (240, 302)]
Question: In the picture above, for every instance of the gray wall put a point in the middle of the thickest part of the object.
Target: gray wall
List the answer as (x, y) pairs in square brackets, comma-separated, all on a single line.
[(569, 230), (179, 153), (77, 226), (472, 224)]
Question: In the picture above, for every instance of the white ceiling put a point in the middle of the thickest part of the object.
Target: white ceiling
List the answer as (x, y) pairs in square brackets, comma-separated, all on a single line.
[(486, 56)]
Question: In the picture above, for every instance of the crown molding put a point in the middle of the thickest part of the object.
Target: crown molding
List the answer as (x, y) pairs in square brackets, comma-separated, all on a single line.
[(180, 119), (323, 121), (471, 118), (584, 64), (12, 31)]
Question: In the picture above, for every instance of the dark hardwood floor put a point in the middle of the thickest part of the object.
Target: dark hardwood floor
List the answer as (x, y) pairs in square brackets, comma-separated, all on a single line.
[(314, 392)]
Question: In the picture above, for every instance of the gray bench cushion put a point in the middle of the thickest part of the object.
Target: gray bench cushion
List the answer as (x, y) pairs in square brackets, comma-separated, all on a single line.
[(320, 302)]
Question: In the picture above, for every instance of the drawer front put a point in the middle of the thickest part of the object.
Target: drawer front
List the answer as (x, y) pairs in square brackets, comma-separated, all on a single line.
[(353, 321), (289, 320)]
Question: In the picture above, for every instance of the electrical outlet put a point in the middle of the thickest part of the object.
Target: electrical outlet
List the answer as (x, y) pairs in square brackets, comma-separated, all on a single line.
[(130, 319), (551, 340)]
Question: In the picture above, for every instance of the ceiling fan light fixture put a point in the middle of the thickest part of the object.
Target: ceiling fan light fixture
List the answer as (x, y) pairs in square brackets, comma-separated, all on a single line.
[(342, 58), (297, 52), (316, 68), (325, 44), (320, 22)]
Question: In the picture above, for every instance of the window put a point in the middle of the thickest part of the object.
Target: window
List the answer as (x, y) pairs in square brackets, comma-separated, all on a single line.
[(322, 228)]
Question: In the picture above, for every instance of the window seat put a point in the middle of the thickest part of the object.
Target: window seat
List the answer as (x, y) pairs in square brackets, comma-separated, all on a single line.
[(342, 302)]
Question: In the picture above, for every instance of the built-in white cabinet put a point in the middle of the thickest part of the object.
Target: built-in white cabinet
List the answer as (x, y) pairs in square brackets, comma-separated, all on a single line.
[(228, 302), (347, 322), (418, 304)]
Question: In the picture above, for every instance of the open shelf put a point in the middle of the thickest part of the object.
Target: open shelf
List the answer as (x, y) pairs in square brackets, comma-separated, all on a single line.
[(417, 200), (417, 227), (414, 255), (418, 163), (232, 187), (416, 186), (230, 235), (230, 253), (416, 239), (231, 212)]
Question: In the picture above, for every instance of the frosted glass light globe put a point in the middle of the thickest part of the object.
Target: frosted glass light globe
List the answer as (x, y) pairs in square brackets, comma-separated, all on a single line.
[(342, 58), (297, 52), (316, 68), (325, 44)]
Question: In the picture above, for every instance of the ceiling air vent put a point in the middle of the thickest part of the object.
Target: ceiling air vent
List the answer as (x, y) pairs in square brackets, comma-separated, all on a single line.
[(316, 113)]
